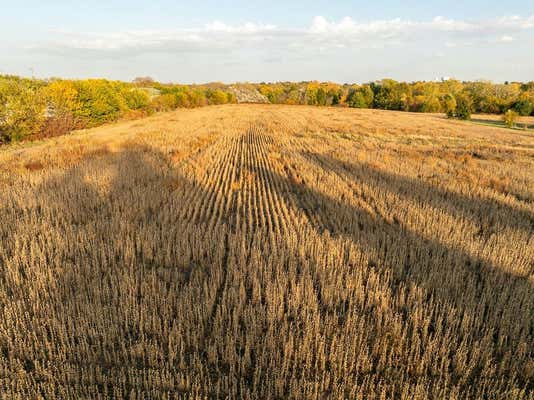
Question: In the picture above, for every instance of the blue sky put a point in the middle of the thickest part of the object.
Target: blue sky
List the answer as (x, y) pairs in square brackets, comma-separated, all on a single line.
[(342, 41)]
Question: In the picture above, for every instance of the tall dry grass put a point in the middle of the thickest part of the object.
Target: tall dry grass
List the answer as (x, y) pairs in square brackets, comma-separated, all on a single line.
[(269, 252)]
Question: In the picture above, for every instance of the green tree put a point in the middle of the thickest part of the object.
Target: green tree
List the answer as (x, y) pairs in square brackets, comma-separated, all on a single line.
[(321, 97), (360, 97), (464, 107), (391, 95), (524, 107), (357, 100)]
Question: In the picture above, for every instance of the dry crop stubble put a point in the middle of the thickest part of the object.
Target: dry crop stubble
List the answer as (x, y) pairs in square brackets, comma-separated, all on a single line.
[(269, 252)]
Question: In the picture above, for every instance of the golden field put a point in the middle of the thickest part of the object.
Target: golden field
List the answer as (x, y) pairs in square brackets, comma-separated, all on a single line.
[(269, 252)]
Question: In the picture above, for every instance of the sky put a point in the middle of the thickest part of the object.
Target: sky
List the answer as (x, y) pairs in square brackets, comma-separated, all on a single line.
[(250, 40)]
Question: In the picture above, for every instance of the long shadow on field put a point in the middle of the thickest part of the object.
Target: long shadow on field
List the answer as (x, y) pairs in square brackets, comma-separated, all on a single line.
[(126, 284), (106, 274), (489, 215), (477, 289), (486, 213), (341, 219)]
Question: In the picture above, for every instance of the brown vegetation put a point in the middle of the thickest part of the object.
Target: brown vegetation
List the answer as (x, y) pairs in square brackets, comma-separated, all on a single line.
[(269, 252)]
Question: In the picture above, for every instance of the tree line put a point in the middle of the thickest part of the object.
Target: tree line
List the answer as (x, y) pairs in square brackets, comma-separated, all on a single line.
[(32, 108), (455, 98)]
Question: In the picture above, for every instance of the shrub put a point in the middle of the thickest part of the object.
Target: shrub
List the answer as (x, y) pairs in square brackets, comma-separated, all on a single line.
[(335, 99), (361, 97), (510, 118), (182, 99), (524, 107), (357, 100), (231, 98), (136, 99), (62, 97), (100, 101), (321, 97), (198, 98), (62, 106), (22, 109), (431, 105), (464, 107), (217, 97), (449, 105), (164, 102), (57, 125)]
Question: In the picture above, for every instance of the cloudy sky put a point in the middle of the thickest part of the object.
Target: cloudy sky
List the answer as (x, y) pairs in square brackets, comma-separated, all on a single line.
[(252, 40)]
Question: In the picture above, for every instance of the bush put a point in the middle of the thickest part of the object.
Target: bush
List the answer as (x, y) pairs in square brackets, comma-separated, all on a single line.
[(510, 118), (335, 99), (358, 101), (464, 107), (524, 107), (164, 102), (62, 97), (136, 99), (182, 99), (100, 101), (57, 125), (321, 97), (198, 98), (449, 105), (431, 105), (62, 106), (361, 97), (217, 97), (22, 109), (231, 98)]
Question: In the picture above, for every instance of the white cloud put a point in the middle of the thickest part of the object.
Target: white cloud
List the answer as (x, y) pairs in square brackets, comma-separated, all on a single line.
[(348, 27), (449, 25), (506, 39), (321, 33), (247, 28)]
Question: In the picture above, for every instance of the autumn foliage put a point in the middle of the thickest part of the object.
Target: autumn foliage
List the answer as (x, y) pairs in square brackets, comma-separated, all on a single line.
[(32, 108)]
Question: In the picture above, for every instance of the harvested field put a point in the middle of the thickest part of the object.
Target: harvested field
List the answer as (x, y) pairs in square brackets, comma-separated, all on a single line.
[(273, 252)]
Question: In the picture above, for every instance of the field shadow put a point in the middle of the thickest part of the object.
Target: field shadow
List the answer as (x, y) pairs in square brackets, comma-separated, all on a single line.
[(112, 255), (450, 276), (135, 249), (486, 213)]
